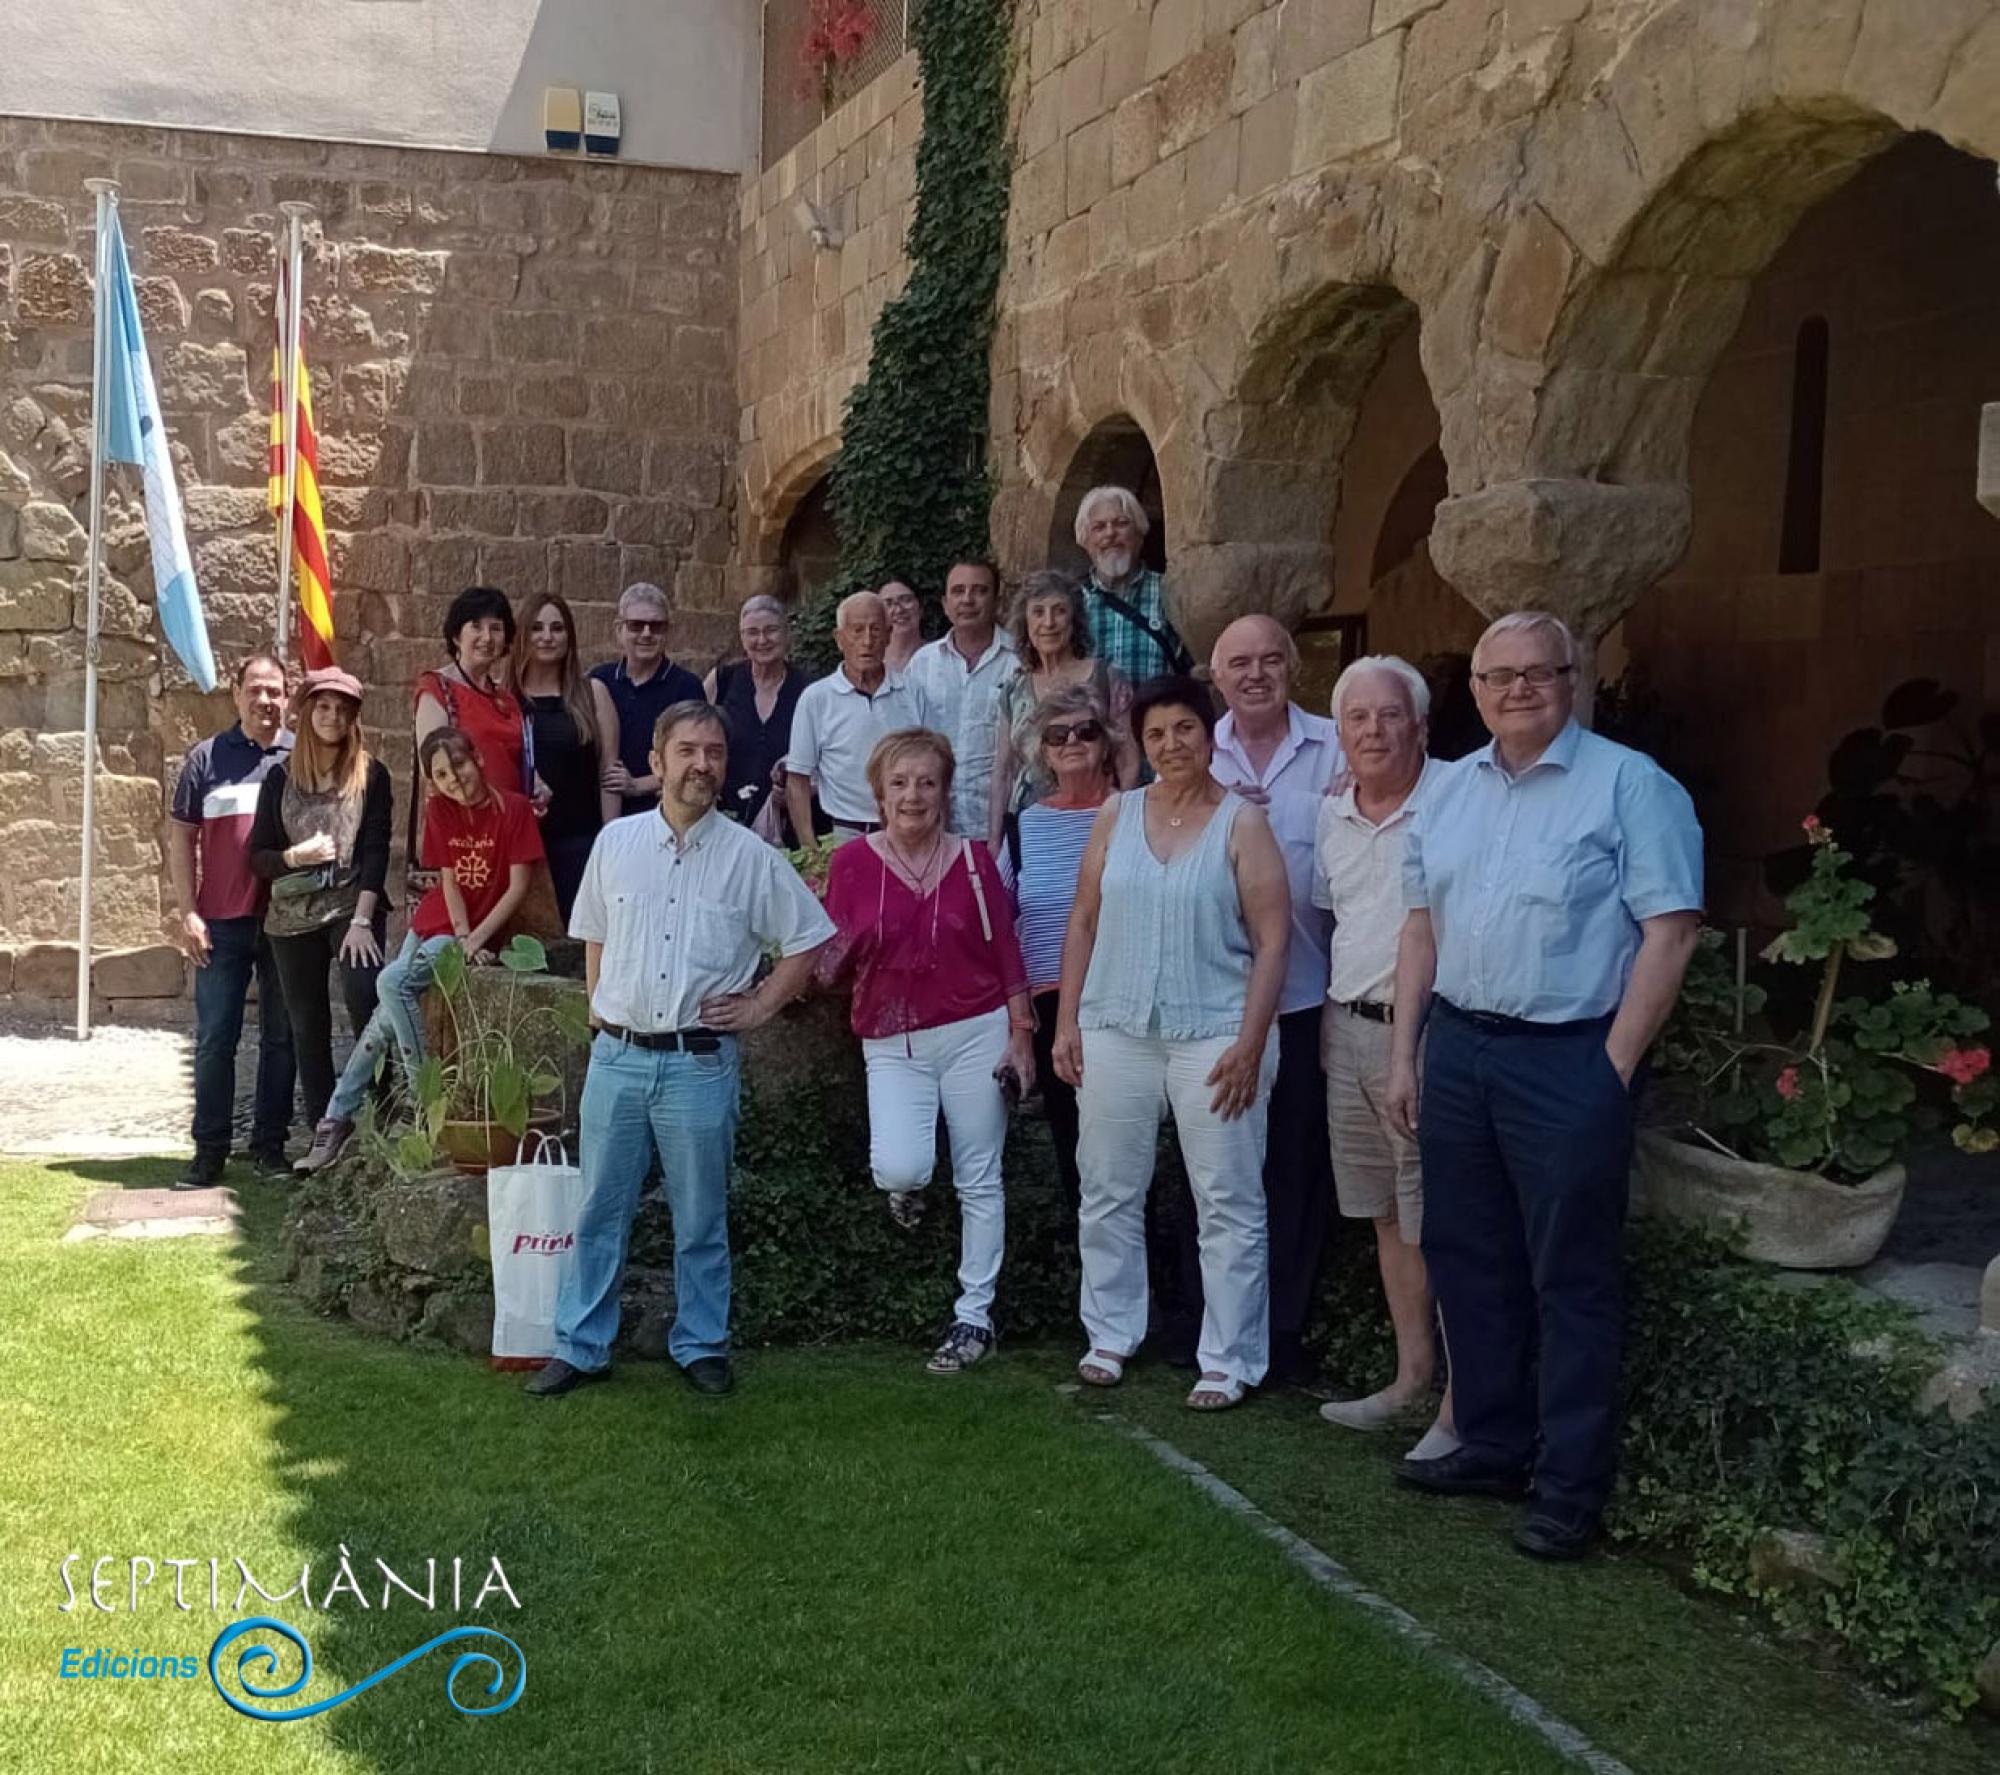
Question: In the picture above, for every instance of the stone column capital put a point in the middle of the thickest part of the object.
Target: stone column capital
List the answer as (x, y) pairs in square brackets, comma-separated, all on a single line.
[(1583, 550)]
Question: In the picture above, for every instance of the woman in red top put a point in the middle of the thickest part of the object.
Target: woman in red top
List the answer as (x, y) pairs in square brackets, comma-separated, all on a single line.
[(941, 1006), (483, 843)]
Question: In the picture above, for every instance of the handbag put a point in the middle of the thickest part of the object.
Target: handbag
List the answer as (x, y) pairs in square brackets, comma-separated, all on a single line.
[(532, 1209)]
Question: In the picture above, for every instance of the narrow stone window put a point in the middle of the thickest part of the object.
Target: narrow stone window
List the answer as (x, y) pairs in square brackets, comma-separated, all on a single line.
[(1805, 462)]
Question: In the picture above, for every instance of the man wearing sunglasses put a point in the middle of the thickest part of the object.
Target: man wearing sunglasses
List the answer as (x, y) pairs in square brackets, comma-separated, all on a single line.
[(644, 683), (1276, 754), (1554, 885)]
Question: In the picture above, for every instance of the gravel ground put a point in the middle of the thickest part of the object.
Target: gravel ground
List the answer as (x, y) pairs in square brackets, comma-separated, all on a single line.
[(124, 1091)]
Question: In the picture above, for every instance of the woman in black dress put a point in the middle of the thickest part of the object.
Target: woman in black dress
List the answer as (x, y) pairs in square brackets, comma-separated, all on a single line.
[(757, 695), (570, 714)]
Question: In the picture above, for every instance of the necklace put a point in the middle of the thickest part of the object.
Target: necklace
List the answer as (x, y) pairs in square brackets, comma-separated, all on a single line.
[(919, 877)]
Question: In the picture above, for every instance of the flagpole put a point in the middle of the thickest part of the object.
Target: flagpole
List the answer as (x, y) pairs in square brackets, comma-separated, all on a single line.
[(295, 215), (106, 193)]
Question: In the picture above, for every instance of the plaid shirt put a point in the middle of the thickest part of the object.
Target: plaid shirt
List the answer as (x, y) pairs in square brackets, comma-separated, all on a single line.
[(1119, 641)]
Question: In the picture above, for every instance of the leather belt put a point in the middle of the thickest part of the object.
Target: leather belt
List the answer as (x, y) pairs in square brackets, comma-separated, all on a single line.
[(1368, 1008), (1495, 1023), (677, 1041)]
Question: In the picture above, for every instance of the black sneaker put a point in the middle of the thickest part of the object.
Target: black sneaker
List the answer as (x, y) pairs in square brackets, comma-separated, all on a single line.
[(204, 1170), (709, 1374), (1543, 1534), (1462, 1474), (268, 1160), (963, 1346)]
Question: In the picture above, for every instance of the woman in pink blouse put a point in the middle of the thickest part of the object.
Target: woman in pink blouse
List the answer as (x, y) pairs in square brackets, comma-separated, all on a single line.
[(941, 1005)]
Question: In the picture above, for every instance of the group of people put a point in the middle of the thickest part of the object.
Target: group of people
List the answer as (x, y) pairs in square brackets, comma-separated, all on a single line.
[(1353, 976)]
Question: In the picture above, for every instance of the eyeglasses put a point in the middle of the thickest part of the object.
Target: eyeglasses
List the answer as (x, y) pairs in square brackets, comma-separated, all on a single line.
[(1081, 730), (1537, 677), (645, 626)]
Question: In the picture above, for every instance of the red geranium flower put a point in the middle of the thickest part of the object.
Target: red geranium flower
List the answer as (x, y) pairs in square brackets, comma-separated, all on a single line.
[(1788, 1083), (1963, 1065)]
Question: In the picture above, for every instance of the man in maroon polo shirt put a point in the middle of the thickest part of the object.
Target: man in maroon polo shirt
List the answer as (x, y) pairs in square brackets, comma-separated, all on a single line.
[(221, 925)]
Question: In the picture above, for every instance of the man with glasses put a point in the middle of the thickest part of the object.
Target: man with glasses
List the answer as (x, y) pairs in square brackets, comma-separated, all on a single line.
[(1553, 882), (644, 683)]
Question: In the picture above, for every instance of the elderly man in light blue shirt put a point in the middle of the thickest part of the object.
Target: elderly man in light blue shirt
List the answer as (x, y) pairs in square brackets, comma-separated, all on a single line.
[(1554, 885), (1284, 758)]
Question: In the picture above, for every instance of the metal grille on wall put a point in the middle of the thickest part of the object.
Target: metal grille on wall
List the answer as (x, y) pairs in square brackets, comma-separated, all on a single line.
[(798, 95)]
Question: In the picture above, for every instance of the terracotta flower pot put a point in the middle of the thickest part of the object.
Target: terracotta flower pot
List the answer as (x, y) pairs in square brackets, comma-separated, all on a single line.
[(475, 1147), (1795, 1219)]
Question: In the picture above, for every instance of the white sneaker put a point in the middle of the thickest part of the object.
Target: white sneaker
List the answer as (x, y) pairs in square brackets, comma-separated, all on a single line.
[(1372, 1413), (1436, 1443)]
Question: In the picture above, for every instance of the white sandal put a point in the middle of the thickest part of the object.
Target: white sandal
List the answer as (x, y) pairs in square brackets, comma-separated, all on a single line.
[(1099, 1368), (1226, 1393)]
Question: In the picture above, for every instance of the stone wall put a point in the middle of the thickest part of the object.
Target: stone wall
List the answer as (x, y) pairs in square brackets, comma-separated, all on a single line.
[(1223, 211), (523, 375), (808, 310)]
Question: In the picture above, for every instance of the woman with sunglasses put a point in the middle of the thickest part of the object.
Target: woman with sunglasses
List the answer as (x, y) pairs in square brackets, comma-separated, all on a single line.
[(1052, 638), (1073, 751)]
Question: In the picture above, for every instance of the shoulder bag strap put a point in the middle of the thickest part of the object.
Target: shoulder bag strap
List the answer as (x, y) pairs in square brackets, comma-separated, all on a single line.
[(1178, 657)]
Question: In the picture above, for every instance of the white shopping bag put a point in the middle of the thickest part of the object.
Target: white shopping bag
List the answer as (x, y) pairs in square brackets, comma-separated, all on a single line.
[(531, 1214)]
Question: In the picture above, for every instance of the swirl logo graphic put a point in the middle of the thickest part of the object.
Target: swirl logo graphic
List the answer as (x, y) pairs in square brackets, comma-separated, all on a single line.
[(263, 1655)]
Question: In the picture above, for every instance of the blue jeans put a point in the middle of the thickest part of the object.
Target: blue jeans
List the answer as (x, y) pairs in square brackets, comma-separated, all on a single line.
[(1526, 1138), (636, 1099), (399, 995), (236, 946)]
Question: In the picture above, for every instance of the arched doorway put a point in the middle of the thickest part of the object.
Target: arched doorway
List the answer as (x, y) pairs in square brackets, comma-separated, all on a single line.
[(1115, 453), (1837, 549), (809, 549), (1390, 480)]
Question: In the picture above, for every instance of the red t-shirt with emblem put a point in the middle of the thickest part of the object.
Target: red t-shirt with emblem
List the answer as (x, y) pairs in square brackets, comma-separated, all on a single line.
[(479, 845)]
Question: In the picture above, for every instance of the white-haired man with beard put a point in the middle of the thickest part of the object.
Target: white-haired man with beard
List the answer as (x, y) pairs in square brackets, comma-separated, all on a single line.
[(1124, 600), (675, 912)]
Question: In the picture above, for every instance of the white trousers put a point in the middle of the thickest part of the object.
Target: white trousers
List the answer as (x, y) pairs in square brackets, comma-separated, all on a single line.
[(909, 1078), (1126, 1081)]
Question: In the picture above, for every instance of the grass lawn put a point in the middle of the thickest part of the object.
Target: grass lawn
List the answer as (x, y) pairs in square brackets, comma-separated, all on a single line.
[(850, 1565)]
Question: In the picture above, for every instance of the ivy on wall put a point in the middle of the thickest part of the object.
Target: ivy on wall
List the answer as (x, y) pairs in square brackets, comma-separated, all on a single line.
[(910, 488)]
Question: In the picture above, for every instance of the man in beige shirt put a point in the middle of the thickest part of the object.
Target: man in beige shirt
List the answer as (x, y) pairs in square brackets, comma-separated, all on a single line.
[(1380, 705)]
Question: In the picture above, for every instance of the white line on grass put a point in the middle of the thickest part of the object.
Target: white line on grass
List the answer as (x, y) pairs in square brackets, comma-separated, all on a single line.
[(1330, 1574)]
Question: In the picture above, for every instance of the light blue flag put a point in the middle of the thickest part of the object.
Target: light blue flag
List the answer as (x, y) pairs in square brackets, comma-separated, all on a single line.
[(134, 432)]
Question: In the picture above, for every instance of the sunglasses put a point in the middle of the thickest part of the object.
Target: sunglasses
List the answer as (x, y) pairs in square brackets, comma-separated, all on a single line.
[(644, 626), (1082, 730)]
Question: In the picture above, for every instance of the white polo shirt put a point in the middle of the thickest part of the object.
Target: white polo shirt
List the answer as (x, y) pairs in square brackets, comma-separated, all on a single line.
[(686, 920), (1292, 789), (963, 700), (835, 727), (1358, 877)]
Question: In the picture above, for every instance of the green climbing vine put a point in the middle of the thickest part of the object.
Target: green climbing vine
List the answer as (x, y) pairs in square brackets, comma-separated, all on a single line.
[(910, 487)]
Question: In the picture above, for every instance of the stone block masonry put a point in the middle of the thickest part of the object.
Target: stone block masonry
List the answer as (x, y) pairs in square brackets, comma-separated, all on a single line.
[(523, 374)]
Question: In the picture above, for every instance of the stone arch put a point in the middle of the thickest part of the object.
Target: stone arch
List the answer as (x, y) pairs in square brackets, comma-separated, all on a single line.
[(1259, 533), (774, 518), (1615, 272), (1115, 452)]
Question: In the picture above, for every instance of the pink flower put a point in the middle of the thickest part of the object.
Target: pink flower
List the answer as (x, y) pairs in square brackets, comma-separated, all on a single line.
[(1809, 825), (1788, 1083), (1963, 1065)]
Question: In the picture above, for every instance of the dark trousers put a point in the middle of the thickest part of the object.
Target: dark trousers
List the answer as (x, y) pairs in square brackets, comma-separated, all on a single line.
[(1298, 1205), (1058, 1099), (1526, 1133), (304, 963), (237, 948), (567, 854)]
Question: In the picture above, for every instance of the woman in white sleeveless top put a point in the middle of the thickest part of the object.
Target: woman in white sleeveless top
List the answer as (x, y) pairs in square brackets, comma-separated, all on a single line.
[(1171, 971)]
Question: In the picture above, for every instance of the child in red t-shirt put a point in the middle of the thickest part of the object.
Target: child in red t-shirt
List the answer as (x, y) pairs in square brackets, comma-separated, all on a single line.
[(483, 841)]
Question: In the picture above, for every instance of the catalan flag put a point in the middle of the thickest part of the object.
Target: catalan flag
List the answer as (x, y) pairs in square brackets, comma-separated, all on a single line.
[(310, 579)]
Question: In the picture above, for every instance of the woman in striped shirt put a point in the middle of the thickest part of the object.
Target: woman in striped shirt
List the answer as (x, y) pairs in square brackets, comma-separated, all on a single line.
[(1073, 745)]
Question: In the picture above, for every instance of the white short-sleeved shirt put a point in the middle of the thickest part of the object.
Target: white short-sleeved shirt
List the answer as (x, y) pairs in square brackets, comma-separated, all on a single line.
[(962, 699), (1358, 877), (1294, 785), (686, 920), (834, 729)]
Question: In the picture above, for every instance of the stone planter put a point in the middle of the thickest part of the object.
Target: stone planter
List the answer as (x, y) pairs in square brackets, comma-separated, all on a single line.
[(1795, 1219)]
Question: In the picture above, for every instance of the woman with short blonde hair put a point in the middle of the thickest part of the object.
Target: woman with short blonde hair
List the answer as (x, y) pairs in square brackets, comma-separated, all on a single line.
[(923, 925)]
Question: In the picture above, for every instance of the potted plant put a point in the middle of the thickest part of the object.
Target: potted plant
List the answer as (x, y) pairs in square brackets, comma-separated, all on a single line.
[(500, 1066), (836, 33), (1801, 1136)]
